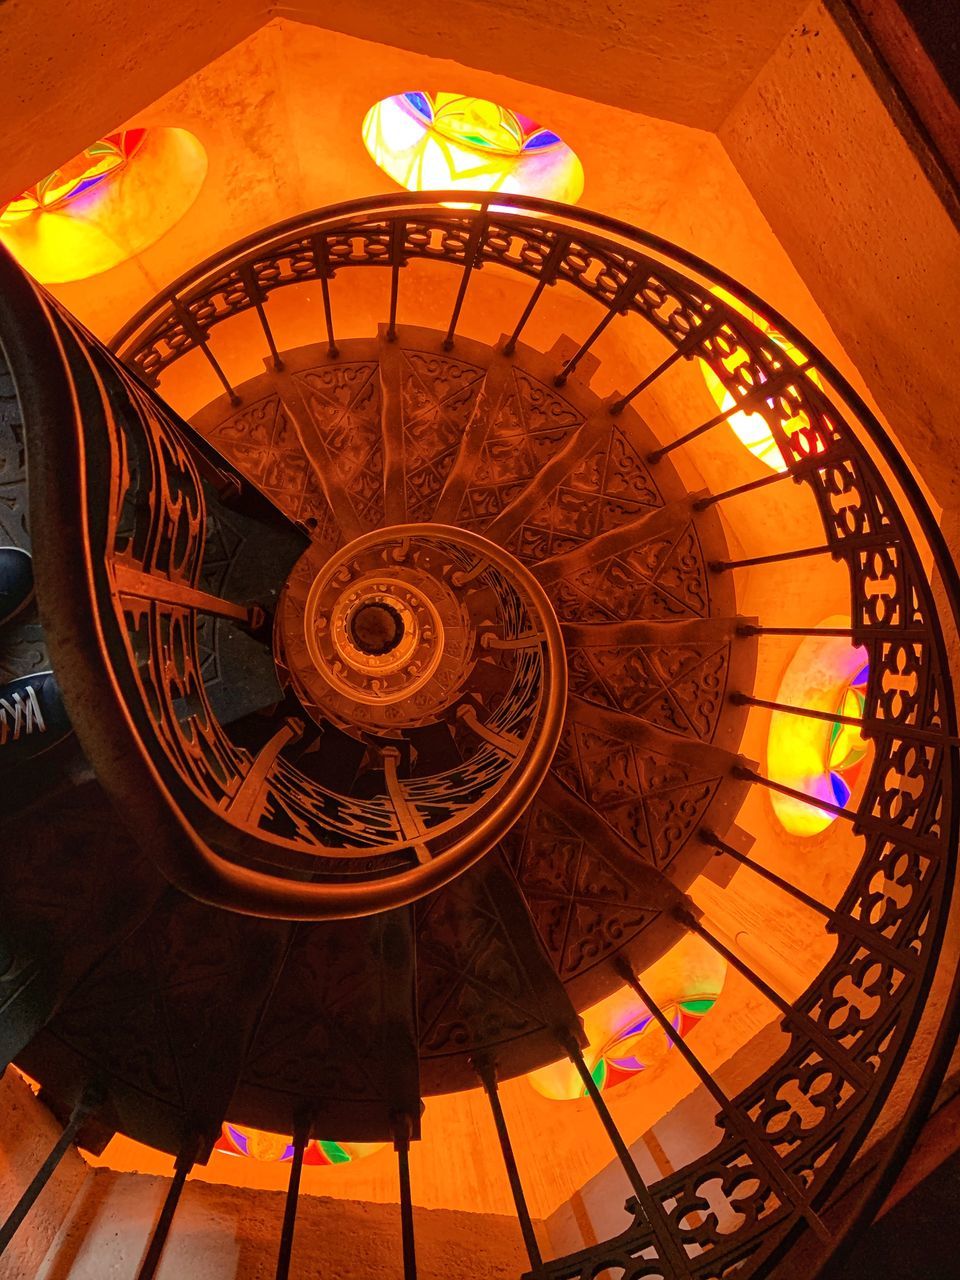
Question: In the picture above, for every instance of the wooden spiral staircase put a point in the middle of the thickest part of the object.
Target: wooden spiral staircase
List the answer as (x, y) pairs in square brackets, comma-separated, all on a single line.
[(408, 685)]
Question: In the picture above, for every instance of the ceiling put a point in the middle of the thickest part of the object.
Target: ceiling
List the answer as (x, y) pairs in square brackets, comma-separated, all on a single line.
[(85, 66)]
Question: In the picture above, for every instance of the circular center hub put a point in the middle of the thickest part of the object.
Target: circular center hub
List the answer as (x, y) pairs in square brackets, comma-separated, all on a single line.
[(376, 628), (415, 626)]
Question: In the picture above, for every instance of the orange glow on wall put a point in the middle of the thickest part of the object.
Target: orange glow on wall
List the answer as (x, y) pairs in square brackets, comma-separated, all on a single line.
[(438, 141), (105, 207), (821, 758), (623, 1037), (750, 428)]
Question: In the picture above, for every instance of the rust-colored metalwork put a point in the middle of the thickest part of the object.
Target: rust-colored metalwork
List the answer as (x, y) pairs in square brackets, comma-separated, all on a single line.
[(621, 559)]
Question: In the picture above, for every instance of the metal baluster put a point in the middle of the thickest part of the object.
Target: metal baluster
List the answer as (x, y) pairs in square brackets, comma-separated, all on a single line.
[(258, 296), (615, 307), (865, 821), (321, 256), (548, 273), (185, 1162), (673, 1257), (738, 1122), (487, 1072), (775, 557), (301, 1132), (747, 404), (401, 1144), (397, 235), (89, 1101), (856, 634), (774, 477), (837, 920), (694, 339), (199, 337), (869, 726), (471, 257), (823, 1042)]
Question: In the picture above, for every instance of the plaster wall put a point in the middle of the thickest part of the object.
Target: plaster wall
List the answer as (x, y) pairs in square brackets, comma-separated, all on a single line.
[(83, 66), (849, 200), (219, 1233), (27, 1133)]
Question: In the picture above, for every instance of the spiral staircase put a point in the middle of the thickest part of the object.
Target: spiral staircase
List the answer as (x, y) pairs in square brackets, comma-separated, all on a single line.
[(407, 684)]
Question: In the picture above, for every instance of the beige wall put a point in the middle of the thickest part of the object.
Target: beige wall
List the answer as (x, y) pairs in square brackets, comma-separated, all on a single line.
[(27, 1134), (851, 205), (220, 1233)]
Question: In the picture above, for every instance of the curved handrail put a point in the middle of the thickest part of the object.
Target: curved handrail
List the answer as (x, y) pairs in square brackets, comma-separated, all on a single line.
[(867, 510)]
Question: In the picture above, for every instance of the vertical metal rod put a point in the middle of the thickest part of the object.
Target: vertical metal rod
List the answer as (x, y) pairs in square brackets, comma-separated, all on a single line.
[(397, 232), (471, 256), (548, 273), (188, 1153), (332, 349), (321, 257), (199, 337), (747, 404), (258, 297), (301, 1132), (865, 723), (672, 1254), (571, 364), (268, 333), (774, 477), (89, 1100), (401, 1144), (488, 1076), (775, 557), (615, 307), (841, 922), (823, 1042), (694, 339), (737, 1121), (857, 635)]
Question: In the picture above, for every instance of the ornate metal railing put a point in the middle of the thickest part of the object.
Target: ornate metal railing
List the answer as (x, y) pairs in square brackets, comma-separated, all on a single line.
[(789, 1139), (851, 1030)]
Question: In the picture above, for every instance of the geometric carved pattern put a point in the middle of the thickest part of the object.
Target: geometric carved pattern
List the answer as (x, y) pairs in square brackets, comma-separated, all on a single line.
[(678, 687), (610, 487), (262, 443), (582, 907), (654, 801), (437, 398), (525, 428), (662, 577)]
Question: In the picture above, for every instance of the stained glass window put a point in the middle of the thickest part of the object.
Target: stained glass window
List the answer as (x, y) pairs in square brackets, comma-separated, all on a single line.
[(751, 428), (239, 1140), (820, 757), (440, 141), (92, 166)]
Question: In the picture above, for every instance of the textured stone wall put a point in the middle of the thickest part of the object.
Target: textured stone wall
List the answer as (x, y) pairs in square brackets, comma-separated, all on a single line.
[(27, 1133), (222, 1232)]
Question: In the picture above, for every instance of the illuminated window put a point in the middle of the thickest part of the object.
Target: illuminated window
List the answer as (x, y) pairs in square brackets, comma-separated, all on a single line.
[(94, 164), (820, 758), (438, 141), (106, 206), (275, 1148), (623, 1037), (751, 428)]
